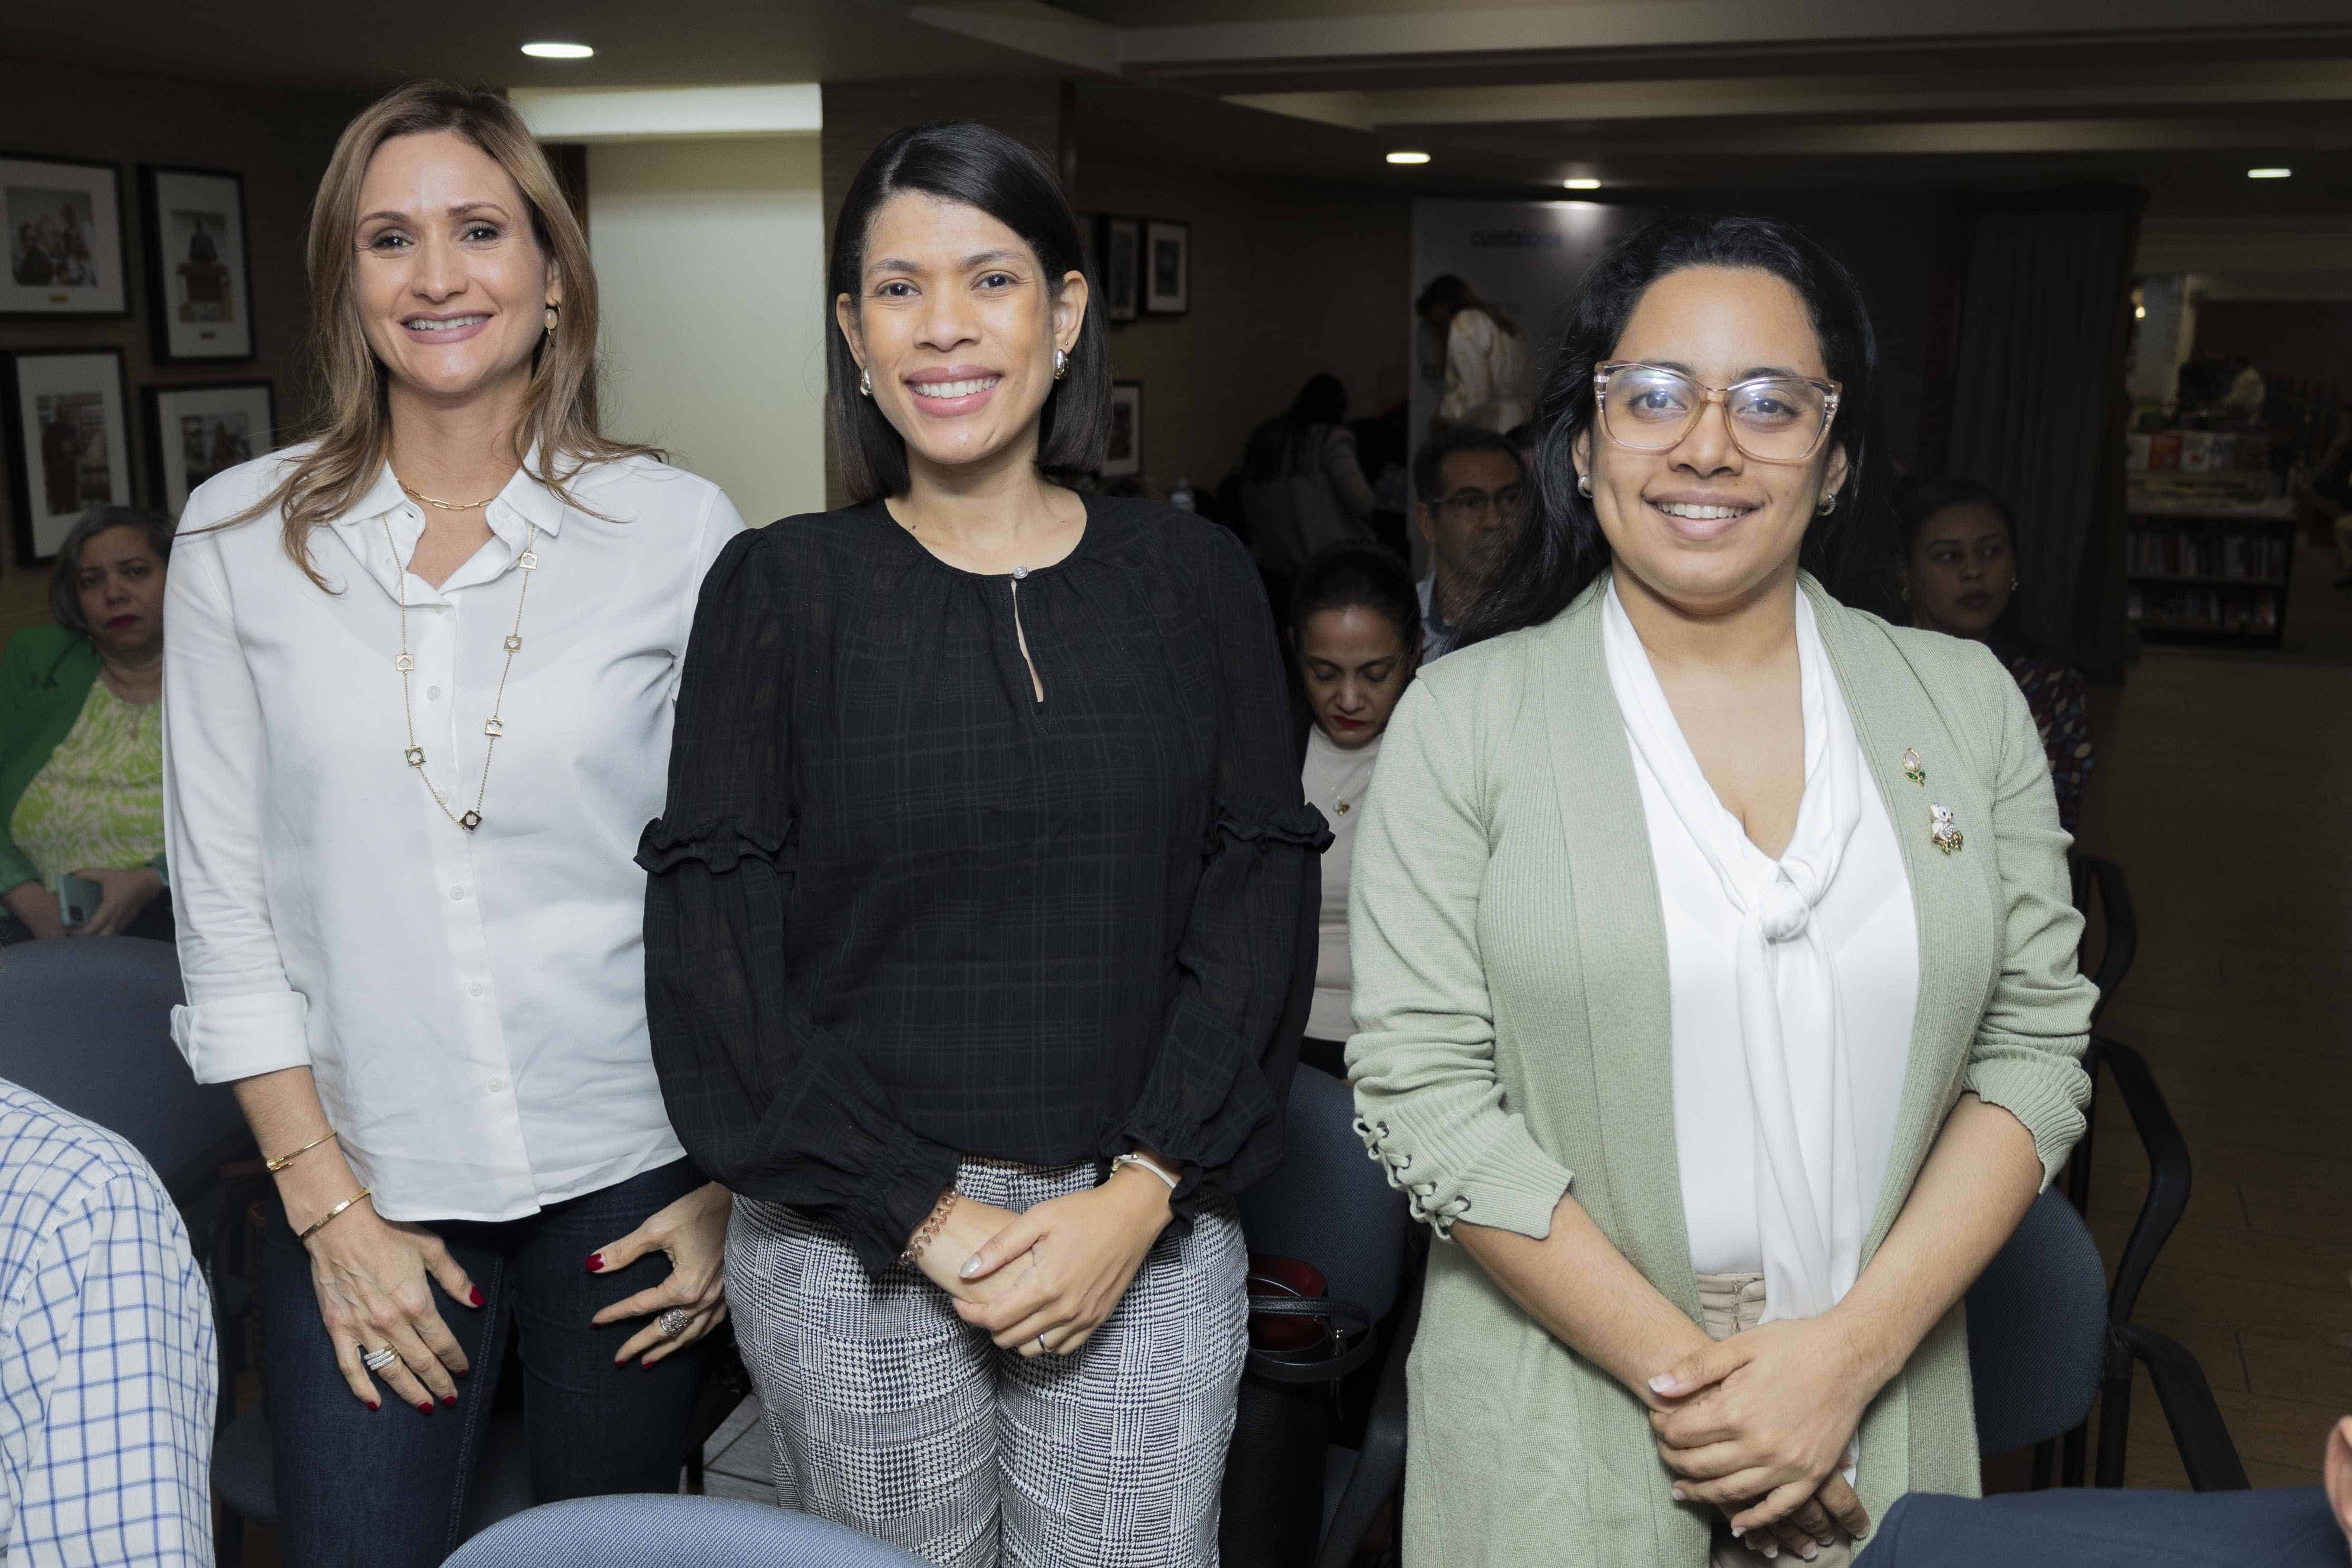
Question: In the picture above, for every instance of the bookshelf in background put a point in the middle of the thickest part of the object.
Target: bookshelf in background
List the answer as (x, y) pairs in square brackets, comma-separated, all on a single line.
[(2210, 543)]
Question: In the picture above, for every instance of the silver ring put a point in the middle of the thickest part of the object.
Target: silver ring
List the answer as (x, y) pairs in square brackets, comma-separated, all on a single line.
[(377, 1360), (1043, 1348), (673, 1323)]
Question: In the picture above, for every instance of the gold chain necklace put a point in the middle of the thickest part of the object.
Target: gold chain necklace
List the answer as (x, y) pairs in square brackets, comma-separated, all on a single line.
[(494, 727), (444, 506)]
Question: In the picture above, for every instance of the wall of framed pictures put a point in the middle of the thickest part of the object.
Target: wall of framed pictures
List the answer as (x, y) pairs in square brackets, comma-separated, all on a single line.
[(151, 290)]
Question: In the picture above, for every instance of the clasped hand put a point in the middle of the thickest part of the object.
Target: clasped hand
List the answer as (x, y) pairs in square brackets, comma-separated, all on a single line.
[(1757, 1425), (1053, 1274)]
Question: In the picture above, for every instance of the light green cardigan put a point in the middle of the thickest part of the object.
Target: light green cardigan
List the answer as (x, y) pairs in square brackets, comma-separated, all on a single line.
[(1512, 1008)]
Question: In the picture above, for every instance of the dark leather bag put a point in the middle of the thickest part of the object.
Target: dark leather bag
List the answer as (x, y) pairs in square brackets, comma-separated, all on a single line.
[(1302, 1342)]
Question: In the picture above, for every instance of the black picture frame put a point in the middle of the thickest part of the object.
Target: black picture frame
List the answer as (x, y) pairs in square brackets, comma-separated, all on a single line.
[(99, 184), (1119, 258), (1123, 440), (177, 284), (41, 525), (170, 473), (1167, 268)]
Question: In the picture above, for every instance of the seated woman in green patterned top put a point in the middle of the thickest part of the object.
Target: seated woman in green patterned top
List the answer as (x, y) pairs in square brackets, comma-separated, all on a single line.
[(81, 753)]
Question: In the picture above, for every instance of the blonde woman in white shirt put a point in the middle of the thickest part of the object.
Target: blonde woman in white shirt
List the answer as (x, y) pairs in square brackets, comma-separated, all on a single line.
[(416, 711), (1355, 632)]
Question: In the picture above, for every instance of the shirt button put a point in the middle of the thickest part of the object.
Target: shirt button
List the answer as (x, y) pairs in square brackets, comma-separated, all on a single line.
[(475, 989), (433, 694), (458, 894), (497, 1084)]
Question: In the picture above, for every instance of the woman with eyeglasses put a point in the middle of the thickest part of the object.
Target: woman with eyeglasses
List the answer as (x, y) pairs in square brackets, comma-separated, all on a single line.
[(1714, 965)]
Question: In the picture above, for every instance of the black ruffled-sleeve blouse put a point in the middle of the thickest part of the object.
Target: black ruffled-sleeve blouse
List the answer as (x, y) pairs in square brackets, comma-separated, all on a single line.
[(902, 912)]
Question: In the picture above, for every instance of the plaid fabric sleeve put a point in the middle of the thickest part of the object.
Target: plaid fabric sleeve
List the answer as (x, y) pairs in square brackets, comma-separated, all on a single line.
[(1210, 1087), (108, 1381)]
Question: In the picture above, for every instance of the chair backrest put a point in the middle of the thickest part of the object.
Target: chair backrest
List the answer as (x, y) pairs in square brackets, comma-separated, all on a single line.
[(2038, 1330), (86, 1021), (647, 1529), (2101, 887), (1330, 1204)]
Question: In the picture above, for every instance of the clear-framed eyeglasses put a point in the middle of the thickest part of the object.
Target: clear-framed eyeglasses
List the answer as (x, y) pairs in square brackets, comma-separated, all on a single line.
[(1772, 419)]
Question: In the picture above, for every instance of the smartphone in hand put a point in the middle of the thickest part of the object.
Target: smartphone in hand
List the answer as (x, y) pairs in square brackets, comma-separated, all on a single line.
[(78, 901)]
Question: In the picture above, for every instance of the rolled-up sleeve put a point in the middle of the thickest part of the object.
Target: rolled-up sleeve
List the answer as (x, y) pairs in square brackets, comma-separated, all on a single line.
[(1429, 1105), (242, 1017), (1224, 1053), (2027, 1056), (767, 1103)]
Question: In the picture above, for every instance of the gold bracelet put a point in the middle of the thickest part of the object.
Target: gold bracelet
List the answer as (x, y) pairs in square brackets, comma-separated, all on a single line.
[(282, 1161), (930, 1229), (331, 1214)]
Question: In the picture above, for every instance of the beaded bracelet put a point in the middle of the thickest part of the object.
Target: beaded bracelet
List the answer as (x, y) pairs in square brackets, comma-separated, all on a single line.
[(929, 1229)]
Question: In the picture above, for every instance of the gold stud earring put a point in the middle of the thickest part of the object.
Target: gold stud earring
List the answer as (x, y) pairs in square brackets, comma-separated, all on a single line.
[(865, 383)]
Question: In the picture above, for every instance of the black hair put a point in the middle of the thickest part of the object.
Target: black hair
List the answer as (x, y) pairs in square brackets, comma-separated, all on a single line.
[(1288, 443), (1561, 551), (64, 576), (1917, 500), (1447, 292), (1429, 462), (1346, 576), (962, 160)]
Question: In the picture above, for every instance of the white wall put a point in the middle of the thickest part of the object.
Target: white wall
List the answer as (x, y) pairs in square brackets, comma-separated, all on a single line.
[(710, 254)]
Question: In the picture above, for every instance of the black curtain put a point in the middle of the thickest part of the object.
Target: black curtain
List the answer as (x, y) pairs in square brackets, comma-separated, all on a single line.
[(2038, 405)]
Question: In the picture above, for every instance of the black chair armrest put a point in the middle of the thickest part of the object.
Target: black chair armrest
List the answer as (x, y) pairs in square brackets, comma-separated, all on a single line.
[(1349, 1343), (2122, 919), (2198, 1429), (2168, 1171), (1379, 1463)]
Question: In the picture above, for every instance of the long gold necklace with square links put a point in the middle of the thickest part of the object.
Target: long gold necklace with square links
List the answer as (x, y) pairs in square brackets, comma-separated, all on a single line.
[(494, 727)]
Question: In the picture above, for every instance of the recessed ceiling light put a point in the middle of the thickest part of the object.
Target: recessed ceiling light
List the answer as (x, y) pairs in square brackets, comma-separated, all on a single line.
[(1408, 157), (558, 51), (2139, 312), (1581, 184), (2270, 173)]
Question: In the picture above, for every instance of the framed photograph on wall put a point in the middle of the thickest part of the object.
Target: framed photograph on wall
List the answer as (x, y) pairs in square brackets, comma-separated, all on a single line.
[(64, 238), (193, 433), (68, 439), (197, 274), (1167, 268), (1123, 452), (1119, 251)]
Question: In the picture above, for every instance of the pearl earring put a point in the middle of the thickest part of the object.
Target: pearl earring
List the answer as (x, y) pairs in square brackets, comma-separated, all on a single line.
[(1584, 484), (865, 382), (1061, 365), (554, 312), (1828, 506)]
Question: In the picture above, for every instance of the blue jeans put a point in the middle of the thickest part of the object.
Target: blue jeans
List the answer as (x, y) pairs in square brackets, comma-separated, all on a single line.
[(386, 1489)]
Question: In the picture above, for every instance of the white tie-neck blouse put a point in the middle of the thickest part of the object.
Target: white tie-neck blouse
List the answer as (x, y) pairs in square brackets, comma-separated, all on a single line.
[(472, 1005), (1785, 1107)]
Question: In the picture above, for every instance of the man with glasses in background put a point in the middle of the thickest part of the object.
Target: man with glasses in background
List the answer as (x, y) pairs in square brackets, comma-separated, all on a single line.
[(1469, 487)]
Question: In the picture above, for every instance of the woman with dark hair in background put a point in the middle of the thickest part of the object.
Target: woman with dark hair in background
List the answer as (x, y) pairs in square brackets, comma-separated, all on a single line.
[(976, 912), (1959, 576), (1355, 633), (81, 752), (1302, 488), (1485, 361), (1714, 963)]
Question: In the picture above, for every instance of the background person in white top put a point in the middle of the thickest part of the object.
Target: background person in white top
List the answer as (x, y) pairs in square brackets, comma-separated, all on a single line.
[(1485, 364), (417, 707), (1355, 632)]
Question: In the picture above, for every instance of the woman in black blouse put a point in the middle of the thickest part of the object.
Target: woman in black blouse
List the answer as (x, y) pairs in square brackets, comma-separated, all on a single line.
[(976, 931)]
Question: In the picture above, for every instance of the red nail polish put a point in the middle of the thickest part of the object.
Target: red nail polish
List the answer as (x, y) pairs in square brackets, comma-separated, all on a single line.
[(477, 1296), (596, 1262), (376, 1405), (425, 1405), (448, 1399), (646, 1366)]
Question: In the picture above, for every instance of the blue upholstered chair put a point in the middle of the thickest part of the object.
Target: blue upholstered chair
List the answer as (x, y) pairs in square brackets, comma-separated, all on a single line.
[(647, 1531)]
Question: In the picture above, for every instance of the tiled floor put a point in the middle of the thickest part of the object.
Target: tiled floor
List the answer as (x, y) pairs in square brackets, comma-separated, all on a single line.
[(735, 1460), (2221, 789)]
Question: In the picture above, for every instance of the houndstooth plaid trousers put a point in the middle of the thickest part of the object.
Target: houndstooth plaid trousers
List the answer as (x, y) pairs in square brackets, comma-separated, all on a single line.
[(887, 1413)]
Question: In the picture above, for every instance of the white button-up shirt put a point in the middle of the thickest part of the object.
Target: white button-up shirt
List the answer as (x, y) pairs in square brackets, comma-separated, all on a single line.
[(472, 1005)]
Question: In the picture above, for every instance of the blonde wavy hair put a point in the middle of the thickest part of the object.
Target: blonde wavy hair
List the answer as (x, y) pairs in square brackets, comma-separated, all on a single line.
[(350, 417)]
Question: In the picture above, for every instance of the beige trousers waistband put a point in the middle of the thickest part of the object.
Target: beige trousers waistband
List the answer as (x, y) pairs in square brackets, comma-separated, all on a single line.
[(1731, 1304)]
